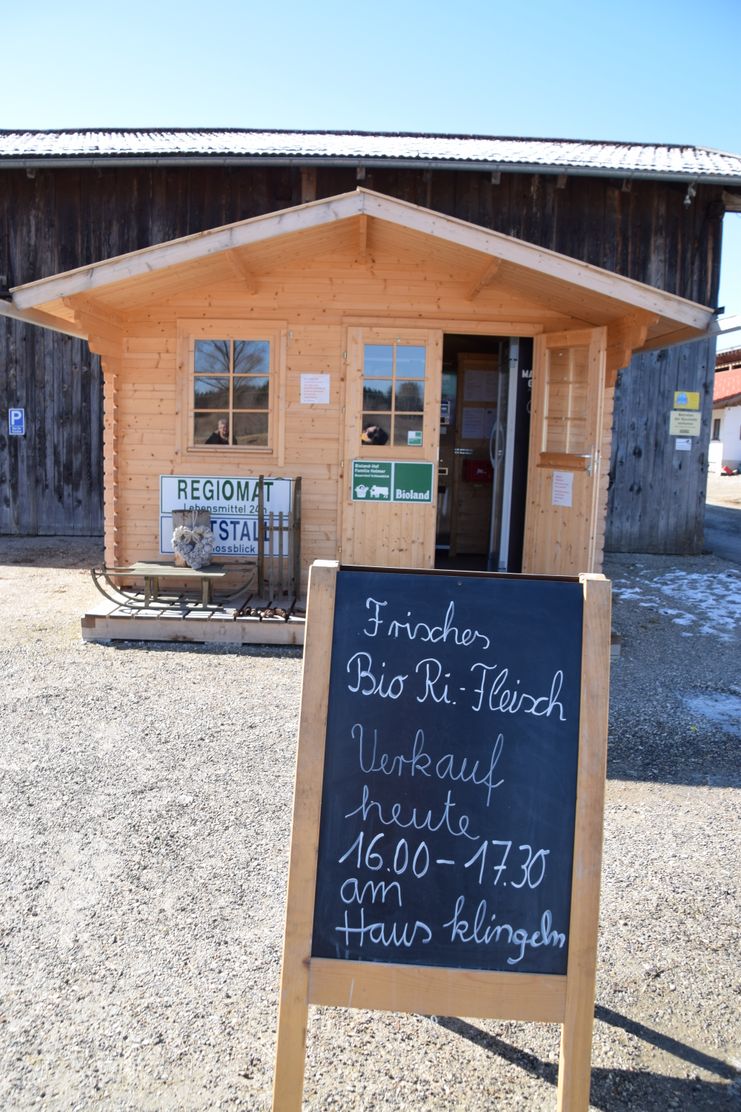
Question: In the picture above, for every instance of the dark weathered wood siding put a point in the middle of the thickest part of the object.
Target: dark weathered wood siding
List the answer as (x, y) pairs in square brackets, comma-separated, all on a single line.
[(657, 494), (51, 478), (51, 482)]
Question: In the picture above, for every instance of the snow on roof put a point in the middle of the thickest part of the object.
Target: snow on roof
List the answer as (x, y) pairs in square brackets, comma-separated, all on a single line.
[(590, 157)]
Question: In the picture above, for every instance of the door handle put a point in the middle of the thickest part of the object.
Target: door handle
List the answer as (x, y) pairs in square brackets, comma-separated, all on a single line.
[(592, 459)]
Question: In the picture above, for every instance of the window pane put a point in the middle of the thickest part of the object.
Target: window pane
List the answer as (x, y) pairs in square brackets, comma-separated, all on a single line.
[(410, 362), (408, 431), (251, 393), (251, 429), (210, 393), (207, 428), (251, 357), (377, 396), (375, 429), (378, 361), (410, 396), (567, 371), (212, 357)]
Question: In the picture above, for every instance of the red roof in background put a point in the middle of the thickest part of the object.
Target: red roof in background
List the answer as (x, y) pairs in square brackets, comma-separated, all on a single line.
[(727, 384), (727, 359)]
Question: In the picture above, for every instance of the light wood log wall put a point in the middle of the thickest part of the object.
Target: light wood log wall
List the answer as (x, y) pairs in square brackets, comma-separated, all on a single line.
[(146, 390), (149, 397)]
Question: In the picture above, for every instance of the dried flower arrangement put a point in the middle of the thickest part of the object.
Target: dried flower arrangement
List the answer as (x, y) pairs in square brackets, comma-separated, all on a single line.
[(194, 543)]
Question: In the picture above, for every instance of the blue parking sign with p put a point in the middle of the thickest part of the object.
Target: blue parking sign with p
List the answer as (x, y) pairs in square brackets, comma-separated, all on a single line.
[(17, 422)]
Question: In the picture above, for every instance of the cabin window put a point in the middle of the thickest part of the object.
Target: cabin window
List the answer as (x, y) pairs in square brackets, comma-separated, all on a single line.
[(231, 393), (565, 425), (393, 394)]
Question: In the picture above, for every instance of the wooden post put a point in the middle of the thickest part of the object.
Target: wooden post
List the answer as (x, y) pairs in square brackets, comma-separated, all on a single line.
[(261, 536), (296, 535), (293, 1009), (574, 1071)]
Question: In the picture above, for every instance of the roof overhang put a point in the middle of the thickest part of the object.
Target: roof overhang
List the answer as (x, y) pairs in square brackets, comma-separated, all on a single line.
[(727, 403), (546, 274)]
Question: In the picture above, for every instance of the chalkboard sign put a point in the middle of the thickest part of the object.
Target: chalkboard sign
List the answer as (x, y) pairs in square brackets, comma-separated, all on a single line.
[(448, 808), (449, 790)]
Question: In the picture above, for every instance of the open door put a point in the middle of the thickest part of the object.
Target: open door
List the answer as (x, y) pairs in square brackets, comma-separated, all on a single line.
[(561, 524), (480, 422)]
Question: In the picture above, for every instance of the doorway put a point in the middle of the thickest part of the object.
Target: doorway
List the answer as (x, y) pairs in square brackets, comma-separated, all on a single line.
[(482, 467)]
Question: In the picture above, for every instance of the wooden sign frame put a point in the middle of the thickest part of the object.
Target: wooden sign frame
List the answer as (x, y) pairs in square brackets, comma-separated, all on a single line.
[(305, 980)]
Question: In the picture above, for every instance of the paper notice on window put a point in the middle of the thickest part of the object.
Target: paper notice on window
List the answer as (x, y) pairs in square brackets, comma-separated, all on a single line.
[(314, 389), (479, 386), (563, 488), (477, 422)]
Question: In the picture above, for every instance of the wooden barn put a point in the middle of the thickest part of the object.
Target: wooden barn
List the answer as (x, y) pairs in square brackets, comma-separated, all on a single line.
[(392, 282)]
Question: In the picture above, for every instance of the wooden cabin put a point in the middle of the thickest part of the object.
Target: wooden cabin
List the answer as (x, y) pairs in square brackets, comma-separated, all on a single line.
[(311, 343)]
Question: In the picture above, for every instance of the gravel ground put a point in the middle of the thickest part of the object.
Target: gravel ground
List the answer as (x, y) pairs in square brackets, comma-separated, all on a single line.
[(723, 517), (144, 826)]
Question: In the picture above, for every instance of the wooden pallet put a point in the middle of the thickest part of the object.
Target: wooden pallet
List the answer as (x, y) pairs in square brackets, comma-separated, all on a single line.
[(191, 623)]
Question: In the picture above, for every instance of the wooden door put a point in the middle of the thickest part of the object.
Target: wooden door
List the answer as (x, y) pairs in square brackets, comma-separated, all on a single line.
[(478, 413), (393, 383), (561, 523)]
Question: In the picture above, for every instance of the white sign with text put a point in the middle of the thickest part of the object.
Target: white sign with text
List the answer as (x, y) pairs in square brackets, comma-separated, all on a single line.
[(232, 502)]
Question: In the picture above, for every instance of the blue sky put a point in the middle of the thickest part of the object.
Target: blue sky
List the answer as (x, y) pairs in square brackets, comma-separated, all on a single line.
[(649, 71)]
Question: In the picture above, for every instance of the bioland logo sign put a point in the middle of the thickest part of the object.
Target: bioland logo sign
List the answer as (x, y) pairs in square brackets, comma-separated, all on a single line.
[(390, 481), (232, 502)]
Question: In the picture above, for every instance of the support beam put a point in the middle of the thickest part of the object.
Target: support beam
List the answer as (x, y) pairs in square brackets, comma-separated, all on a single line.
[(42, 320), (363, 238), (487, 275), (625, 336), (87, 307), (242, 271), (308, 184)]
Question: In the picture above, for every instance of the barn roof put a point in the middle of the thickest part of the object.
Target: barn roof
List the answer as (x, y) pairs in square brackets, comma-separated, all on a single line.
[(731, 358), (583, 291), (172, 146), (727, 387)]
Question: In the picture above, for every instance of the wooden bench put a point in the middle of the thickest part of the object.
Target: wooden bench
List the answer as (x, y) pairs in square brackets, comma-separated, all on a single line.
[(152, 573)]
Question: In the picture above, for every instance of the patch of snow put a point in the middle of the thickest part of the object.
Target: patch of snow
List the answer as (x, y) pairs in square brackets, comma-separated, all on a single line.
[(710, 602), (722, 710)]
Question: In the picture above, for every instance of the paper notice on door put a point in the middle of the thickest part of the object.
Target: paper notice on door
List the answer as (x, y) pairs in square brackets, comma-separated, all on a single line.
[(563, 488)]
